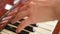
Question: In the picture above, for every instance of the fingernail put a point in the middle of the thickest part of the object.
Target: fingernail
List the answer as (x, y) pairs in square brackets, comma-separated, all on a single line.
[(12, 22)]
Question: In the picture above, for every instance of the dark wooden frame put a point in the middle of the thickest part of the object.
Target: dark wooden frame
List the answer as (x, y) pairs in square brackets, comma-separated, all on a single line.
[(57, 28)]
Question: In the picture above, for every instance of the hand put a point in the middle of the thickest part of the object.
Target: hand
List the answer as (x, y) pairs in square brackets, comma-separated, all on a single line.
[(39, 11)]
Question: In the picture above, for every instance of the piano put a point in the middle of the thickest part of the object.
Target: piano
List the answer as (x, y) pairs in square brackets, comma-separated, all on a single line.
[(49, 27)]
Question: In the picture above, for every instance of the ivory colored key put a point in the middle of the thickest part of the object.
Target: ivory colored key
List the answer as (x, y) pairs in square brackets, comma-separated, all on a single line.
[(5, 31), (35, 33), (50, 25), (40, 30)]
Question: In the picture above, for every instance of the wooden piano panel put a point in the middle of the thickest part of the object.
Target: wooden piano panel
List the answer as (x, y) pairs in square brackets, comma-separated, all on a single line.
[(59, 32)]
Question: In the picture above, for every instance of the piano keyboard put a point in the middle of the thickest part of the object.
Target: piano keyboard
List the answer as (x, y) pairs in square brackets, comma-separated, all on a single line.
[(39, 28)]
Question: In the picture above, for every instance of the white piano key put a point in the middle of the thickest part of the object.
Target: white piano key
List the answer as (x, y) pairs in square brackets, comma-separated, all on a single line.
[(27, 31), (44, 26), (31, 33), (4, 32), (8, 32), (35, 33), (52, 23), (48, 25), (8, 6), (42, 31), (12, 26)]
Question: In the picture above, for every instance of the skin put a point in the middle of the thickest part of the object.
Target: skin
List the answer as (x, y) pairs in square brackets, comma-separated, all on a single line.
[(39, 11), (2, 6)]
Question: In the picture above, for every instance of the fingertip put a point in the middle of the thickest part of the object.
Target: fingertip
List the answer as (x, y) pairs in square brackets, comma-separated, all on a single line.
[(17, 31), (12, 22)]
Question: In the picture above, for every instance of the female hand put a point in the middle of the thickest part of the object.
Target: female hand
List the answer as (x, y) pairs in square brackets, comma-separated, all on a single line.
[(38, 11)]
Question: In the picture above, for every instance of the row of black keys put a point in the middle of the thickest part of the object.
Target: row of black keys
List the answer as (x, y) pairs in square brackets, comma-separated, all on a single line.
[(22, 32)]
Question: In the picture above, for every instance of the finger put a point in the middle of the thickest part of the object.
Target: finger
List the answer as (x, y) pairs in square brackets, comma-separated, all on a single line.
[(23, 24), (20, 15), (14, 11), (45, 2)]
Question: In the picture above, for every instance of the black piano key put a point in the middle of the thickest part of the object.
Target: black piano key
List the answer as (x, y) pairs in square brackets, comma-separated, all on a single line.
[(24, 32), (29, 28), (13, 30), (21, 20), (16, 24), (34, 25), (10, 28)]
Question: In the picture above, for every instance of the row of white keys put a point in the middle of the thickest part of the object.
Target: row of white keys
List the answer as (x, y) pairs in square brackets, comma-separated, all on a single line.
[(7, 32), (37, 30), (48, 25), (45, 28), (41, 29)]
